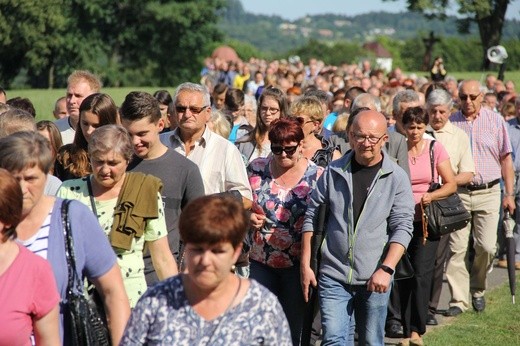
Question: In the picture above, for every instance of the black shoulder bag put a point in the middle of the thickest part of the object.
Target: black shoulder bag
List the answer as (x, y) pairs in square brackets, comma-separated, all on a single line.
[(84, 326), (445, 215)]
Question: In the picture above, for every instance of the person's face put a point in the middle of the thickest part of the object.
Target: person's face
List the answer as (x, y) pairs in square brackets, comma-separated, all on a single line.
[(76, 93), (286, 154), (490, 82), (510, 87), (218, 100), (32, 181), (490, 102), (88, 123), (403, 106), (337, 106), (109, 168), (2, 98), (145, 135), (269, 110), (210, 264), (191, 111), (250, 113), (45, 133), (165, 116), (470, 98), (390, 120), (366, 139), (439, 115), (414, 132), (61, 109), (309, 126)]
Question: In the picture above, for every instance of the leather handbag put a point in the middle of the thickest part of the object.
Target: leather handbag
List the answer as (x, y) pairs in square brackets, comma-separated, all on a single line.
[(446, 215), (84, 325)]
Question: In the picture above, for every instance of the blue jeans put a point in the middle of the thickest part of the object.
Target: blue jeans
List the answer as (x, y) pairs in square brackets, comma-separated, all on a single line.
[(340, 303), (285, 284)]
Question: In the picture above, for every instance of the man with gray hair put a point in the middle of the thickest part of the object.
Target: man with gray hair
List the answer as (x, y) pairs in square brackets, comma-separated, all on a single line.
[(402, 101), (219, 161), (366, 100), (456, 142)]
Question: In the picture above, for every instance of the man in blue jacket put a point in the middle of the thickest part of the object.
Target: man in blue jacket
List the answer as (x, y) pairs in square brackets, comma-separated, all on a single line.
[(370, 205)]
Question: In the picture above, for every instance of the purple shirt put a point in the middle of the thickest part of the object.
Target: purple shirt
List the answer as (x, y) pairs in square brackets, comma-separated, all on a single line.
[(489, 142)]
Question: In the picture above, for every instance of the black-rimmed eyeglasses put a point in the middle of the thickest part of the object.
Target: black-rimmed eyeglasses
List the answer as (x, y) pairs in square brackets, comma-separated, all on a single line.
[(361, 139)]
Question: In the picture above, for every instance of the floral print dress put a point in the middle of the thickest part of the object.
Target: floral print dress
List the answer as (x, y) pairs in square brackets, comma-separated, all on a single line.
[(278, 243)]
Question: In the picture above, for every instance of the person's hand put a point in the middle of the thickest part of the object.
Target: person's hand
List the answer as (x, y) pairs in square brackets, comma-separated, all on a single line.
[(509, 203), (307, 279), (379, 282), (257, 220), (426, 199)]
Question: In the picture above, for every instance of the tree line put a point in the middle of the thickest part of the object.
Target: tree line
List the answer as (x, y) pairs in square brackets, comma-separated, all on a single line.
[(164, 42)]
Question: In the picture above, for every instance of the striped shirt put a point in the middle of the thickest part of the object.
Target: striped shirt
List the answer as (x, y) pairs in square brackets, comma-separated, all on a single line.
[(489, 140), (39, 243)]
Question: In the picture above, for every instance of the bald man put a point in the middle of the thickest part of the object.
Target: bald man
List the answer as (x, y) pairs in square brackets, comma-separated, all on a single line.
[(370, 204)]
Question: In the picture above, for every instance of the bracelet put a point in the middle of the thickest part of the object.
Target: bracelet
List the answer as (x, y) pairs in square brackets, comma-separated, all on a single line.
[(386, 269), (509, 195)]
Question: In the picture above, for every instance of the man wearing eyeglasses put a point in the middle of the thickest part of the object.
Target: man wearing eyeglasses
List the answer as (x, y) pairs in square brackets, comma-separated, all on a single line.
[(219, 161), (491, 151), (370, 204)]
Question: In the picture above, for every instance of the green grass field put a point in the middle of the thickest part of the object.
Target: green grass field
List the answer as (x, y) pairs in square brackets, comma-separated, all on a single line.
[(499, 324), (44, 99)]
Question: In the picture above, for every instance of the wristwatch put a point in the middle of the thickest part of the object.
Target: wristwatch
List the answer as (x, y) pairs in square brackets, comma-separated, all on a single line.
[(387, 269)]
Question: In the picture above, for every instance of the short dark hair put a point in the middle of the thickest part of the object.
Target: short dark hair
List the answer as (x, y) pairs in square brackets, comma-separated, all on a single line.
[(23, 104), (415, 115), (139, 105), (353, 92), (11, 204), (286, 130), (213, 219), (234, 99), (165, 98)]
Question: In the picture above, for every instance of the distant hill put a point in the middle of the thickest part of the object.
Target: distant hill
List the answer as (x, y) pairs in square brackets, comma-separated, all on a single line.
[(275, 34)]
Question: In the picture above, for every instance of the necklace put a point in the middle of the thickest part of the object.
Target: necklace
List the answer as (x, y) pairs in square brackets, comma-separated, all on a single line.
[(413, 158)]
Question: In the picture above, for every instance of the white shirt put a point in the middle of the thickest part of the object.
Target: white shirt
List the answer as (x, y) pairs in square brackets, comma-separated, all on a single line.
[(219, 161), (67, 132)]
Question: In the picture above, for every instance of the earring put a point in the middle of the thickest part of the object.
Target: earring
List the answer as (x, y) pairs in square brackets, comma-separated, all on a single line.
[(233, 268)]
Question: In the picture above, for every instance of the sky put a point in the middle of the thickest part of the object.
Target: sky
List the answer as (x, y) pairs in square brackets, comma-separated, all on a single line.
[(293, 9)]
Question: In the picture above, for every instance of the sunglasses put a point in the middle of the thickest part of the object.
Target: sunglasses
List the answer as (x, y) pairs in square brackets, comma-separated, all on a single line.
[(289, 150), (193, 109), (464, 97)]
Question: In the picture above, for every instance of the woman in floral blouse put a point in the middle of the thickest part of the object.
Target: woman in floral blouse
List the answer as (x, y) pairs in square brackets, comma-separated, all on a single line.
[(281, 185)]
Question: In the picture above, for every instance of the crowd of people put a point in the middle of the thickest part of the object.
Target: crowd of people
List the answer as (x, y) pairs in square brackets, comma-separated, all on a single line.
[(268, 204)]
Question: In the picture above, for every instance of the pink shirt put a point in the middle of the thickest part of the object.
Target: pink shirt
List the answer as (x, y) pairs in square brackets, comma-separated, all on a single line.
[(421, 174), (27, 291), (489, 142)]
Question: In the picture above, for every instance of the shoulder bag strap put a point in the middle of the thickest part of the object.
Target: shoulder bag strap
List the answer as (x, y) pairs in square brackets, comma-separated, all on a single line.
[(91, 196), (69, 247), (432, 162)]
